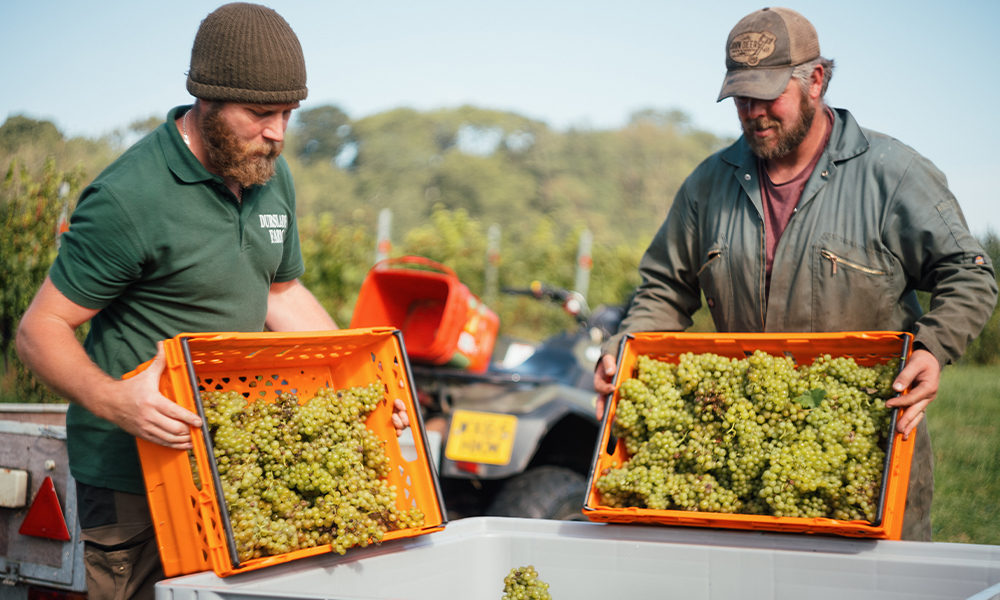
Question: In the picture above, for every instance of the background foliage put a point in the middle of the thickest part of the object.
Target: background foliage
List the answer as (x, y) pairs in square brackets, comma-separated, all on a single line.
[(447, 175), (30, 210)]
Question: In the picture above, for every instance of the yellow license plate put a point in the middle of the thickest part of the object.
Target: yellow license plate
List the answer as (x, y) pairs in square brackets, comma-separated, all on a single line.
[(481, 437)]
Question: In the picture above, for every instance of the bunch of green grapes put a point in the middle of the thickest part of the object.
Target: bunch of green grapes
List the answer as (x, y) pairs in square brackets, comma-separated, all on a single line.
[(523, 584), (756, 436), (302, 475)]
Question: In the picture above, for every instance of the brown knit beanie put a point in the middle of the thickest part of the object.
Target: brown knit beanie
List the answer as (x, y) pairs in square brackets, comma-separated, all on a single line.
[(247, 53)]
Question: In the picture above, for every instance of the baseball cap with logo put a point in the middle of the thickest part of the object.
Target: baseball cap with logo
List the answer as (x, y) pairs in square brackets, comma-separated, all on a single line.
[(763, 50)]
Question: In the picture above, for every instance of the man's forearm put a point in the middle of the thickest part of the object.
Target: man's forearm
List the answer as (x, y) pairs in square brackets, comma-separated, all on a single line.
[(48, 347), (960, 308), (292, 307), (51, 351)]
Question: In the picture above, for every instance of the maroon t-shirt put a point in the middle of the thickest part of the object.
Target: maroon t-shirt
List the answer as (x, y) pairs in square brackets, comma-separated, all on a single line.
[(780, 199)]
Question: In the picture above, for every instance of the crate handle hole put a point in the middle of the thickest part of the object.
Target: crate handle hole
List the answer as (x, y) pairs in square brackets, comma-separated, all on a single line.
[(407, 447)]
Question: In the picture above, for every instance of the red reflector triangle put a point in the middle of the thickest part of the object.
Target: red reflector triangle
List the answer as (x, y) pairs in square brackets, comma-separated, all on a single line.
[(45, 518)]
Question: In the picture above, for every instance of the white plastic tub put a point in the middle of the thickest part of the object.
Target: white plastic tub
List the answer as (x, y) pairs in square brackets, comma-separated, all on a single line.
[(471, 557)]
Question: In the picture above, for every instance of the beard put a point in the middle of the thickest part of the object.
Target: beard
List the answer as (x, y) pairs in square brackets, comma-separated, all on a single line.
[(785, 141), (246, 163)]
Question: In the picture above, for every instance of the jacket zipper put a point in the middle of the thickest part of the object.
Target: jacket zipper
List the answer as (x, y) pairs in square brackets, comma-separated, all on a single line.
[(712, 255), (834, 259), (762, 281)]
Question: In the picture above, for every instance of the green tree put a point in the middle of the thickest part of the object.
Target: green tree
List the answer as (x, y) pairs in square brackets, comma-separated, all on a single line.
[(19, 131), (30, 209), (321, 133), (337, 258), (33, 143), (122, 138)]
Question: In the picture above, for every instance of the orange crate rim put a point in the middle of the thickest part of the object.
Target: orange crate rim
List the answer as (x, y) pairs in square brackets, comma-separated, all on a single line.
[(866, 347), (191, 523)]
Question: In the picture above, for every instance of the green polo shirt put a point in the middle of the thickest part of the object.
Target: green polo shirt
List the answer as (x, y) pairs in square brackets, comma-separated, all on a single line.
[(160, 247)]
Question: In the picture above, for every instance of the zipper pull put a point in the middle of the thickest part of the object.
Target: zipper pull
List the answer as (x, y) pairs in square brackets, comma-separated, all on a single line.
[(832, 258)]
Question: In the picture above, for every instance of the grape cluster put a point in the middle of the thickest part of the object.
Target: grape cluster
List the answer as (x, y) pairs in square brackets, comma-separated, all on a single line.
[(302, 475), (523, 584), (755, 436)]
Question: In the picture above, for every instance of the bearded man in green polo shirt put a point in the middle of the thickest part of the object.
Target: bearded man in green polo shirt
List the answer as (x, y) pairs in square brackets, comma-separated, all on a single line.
[(192, 229), (811, 223)]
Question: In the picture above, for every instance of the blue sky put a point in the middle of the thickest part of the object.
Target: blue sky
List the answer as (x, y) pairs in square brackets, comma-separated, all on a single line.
[(917, 70)]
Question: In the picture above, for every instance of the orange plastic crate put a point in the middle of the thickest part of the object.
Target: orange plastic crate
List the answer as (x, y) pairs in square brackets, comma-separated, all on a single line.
[(191, 523), (866, 348), (441, 320)]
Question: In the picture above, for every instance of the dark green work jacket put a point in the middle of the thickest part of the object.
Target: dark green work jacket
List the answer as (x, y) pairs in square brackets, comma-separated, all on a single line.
[(875, 223)]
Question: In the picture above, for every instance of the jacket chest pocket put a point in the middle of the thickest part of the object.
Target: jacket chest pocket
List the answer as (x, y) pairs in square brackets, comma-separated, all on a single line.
[(716, 282), (852, 287)]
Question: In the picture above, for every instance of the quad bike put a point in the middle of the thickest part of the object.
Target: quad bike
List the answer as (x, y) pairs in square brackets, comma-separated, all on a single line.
[(518, 440)]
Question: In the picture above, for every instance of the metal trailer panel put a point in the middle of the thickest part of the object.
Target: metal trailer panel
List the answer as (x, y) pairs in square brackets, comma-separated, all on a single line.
[(26, 559), (470, 559)]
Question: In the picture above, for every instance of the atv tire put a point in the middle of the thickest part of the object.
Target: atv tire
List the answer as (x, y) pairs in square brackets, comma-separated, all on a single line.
[(545, 492)]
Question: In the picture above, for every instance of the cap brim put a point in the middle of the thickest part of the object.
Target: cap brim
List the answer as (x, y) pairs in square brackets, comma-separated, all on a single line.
[(760, 84)]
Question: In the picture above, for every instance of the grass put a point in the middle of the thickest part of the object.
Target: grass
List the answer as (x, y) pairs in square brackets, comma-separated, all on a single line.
[(964, 423)]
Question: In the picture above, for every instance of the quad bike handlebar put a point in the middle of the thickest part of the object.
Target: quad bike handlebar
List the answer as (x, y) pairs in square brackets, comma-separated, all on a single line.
[(572, 302)]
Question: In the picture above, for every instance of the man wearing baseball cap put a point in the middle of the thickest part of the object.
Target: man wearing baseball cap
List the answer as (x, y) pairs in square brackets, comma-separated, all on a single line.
[(811, 223), (192, 229)]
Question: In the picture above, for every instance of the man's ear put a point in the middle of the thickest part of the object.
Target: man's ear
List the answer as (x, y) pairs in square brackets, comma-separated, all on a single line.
[(816, 82)]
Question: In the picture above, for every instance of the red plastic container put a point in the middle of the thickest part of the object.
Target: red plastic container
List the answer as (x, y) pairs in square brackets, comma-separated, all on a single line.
[(443, 323), (867, 348), (190, 520)]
